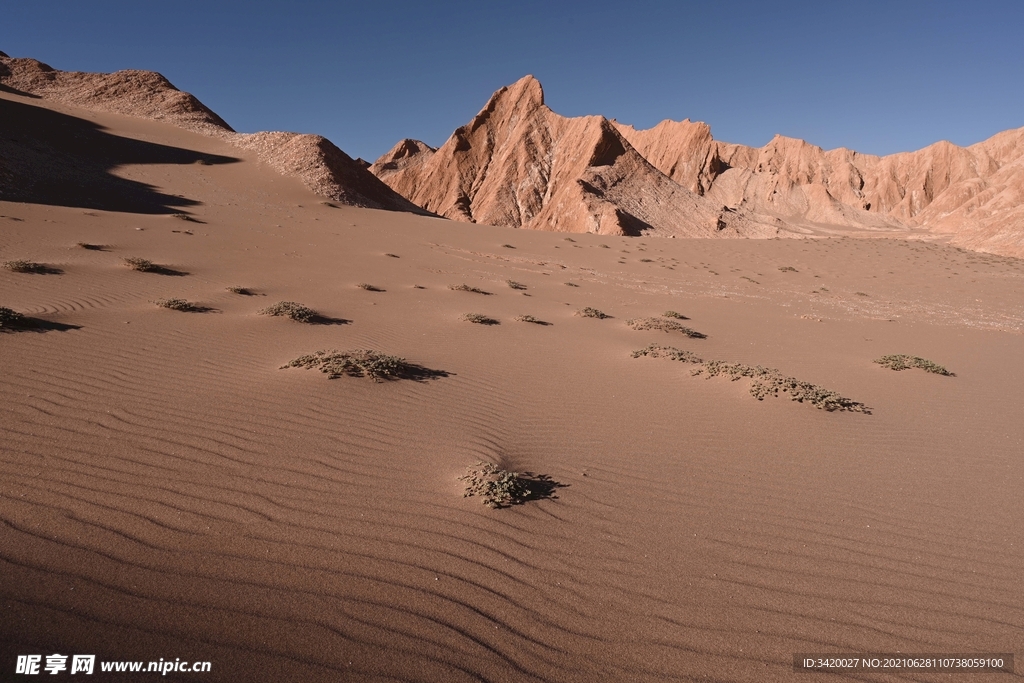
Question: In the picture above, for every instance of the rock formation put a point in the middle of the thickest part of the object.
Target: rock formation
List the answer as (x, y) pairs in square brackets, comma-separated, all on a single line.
[(519, 164)]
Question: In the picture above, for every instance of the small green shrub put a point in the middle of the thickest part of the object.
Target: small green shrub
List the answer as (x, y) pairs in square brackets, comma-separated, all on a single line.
[(290, 309), (904, 362), (589, 312), (479, 319), (497, 487), (664, 325)]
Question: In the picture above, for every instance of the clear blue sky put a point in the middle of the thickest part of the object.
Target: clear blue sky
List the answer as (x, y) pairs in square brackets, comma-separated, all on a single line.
[(878, 77)]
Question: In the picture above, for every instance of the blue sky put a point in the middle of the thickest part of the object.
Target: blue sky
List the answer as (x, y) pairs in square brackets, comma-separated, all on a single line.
[(878, 77)]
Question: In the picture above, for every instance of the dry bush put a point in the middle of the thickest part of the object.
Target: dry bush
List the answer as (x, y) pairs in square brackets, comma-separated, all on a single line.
[(467, 288), (673, 314), (589, 312), (531, 319), (290, 309), (664, 325), (358, 363), (244, 291), (670, 352), (507, 246), (364, 363), (369, 287), (515, 285), (140, 264), (903, 362), (480, 319), (10, 319), (20, 266), (769, 382), (176, 304), (91, 247), (788, 269)]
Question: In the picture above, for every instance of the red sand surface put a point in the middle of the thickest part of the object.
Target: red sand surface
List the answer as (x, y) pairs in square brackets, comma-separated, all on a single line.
[(166, 490)]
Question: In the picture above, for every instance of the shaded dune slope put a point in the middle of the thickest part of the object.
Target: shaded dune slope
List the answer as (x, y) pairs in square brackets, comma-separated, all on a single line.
[(322, 166)]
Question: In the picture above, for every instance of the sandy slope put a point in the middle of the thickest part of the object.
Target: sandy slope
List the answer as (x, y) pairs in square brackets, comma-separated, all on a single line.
[(167, 491)]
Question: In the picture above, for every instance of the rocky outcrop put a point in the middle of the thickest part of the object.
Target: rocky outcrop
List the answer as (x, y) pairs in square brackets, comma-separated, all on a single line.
[(322, 167), (519, 164)]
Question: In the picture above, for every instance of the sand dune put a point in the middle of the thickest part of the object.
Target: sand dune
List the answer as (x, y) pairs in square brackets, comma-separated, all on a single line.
[(167, 490), (322, 167)]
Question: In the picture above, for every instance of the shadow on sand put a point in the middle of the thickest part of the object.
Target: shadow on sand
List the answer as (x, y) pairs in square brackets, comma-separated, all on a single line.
[(62, 160)]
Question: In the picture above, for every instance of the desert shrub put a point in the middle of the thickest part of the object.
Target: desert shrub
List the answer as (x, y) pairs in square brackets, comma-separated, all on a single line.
[(290, 309), (497, 487), (589, 312), (507, 246), (531, 319), (646, 260), (904, 362), (664, 325), (788, 269), (479, 319), (673, 314), (184, 217), (604, 246), (568, 239), (20, 266), (769, 382), (176, 304), (91, 247), (392, 255), (358, 363), (515, 285), (467, 288), (368, 287), (10, 318), (244, 291), (571, 284), (670, 352), (140, 264)]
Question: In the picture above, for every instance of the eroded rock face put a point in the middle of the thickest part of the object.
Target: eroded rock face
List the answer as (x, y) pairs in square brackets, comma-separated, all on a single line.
[(321, 166), (519, 164)]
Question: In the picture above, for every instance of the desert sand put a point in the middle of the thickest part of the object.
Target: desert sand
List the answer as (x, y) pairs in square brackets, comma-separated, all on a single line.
[(168, 490)]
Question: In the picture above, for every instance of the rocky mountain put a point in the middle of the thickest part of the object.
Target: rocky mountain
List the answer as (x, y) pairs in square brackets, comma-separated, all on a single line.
[(321, 166), (519, 164)]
